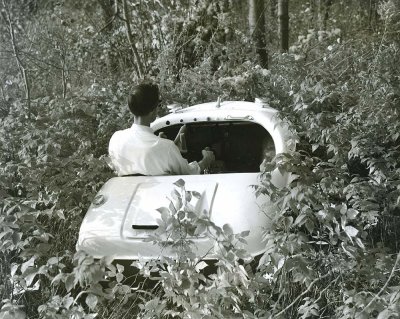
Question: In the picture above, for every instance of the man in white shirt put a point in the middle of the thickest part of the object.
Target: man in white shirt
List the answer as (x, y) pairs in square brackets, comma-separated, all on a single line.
[(137, 150)]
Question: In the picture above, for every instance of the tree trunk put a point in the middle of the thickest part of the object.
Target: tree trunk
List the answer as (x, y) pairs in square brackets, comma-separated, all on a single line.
[(273, 25), (283, 14), (110, 11), (328, 5), (139, 69), (257, 30)]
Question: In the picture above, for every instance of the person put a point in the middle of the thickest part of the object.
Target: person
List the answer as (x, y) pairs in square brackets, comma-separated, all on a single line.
[(138, 151)]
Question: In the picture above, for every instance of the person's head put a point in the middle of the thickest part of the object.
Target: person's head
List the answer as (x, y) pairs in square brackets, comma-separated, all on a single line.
[(144, 99)]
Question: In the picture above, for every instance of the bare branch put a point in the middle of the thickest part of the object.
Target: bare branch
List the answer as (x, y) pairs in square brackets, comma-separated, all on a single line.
[(304, 293), (111, 19), (385, 285)]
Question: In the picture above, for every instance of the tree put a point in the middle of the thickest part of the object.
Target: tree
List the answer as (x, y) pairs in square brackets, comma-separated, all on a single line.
[(138, 66), (110, 11), (283, 14), (257, 30), (8, 20)]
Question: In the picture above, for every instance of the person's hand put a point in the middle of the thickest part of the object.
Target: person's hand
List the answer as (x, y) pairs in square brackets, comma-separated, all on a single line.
[(208, 157), (162, 135)]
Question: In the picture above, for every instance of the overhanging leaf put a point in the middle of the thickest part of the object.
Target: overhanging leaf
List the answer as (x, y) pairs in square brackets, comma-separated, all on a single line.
[(70, 282), (227, 229), (351, 231), (201, 265), (180, 183), (27, 264), (91, 301)]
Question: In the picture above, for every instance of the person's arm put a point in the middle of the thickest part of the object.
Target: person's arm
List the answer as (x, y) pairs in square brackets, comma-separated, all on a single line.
[(182, 130), (180, 139), (180, 166)]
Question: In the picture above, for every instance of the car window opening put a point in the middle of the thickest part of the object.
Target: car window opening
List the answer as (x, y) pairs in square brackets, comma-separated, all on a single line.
[(239, 147)]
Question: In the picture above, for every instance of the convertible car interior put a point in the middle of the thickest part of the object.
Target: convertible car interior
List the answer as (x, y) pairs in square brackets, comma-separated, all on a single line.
[(239, 147)]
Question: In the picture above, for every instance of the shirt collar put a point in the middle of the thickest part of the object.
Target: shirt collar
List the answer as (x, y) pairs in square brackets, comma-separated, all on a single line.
[(142, 128)]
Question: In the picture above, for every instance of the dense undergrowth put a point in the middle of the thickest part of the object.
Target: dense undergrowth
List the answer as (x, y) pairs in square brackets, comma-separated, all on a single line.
[(332, 251)]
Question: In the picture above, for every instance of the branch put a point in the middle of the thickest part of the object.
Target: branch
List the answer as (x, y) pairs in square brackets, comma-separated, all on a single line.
[(18, 59), (139, 66), (112, 18), (303, 294), (63, 78), (385, 285)]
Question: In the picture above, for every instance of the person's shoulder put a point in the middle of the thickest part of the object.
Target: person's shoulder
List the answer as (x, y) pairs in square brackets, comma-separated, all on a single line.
[(121, 132), (118, 135), (167, 144)]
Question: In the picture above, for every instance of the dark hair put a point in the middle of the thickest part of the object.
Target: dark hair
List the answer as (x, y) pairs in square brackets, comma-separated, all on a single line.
[(144, 98)]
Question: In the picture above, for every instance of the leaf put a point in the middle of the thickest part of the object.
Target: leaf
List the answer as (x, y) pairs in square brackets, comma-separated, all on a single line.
[(314, 147), (27, 264), (5, 233), (60, 214), (198, 195), (175, 194), (200, 229), (188, 196), (91, 301), (351, 231), (16, 237), (68, 301), (164, 214), (360, 243), (288, 221), (14, 268), (310, 226), (107, 260), (53, 260), (385, 314), (227, 229), (352, 213), (120, 268), (245, 233), (29, 275), (162, 210), (300, 220), (172, 208), (57, 278), (70, 282), (185, 284), (181, 215), (180, 183), (119, 277), (201, 265)]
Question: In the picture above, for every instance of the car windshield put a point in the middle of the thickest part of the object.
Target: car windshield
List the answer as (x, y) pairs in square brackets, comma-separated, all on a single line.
[(239, 147)]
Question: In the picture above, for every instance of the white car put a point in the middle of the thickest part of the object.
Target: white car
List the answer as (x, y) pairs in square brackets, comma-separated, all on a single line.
[(241, 134)]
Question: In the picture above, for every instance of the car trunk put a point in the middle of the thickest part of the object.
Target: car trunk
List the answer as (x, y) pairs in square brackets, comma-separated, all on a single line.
[(128, 213)]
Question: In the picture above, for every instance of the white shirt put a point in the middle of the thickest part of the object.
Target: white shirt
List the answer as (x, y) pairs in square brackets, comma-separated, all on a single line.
[(137, 150)]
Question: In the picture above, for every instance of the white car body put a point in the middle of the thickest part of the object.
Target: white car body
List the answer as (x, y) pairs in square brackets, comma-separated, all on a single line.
[(124, 211)]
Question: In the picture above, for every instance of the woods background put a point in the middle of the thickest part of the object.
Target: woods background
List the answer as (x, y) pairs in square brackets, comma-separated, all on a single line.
[(331, 67)]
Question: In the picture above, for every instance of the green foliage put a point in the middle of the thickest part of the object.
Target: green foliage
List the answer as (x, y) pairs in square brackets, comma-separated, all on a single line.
[(184, 288)]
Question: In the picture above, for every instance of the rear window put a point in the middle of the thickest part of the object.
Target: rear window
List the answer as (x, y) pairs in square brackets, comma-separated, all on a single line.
[(239, 147)]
